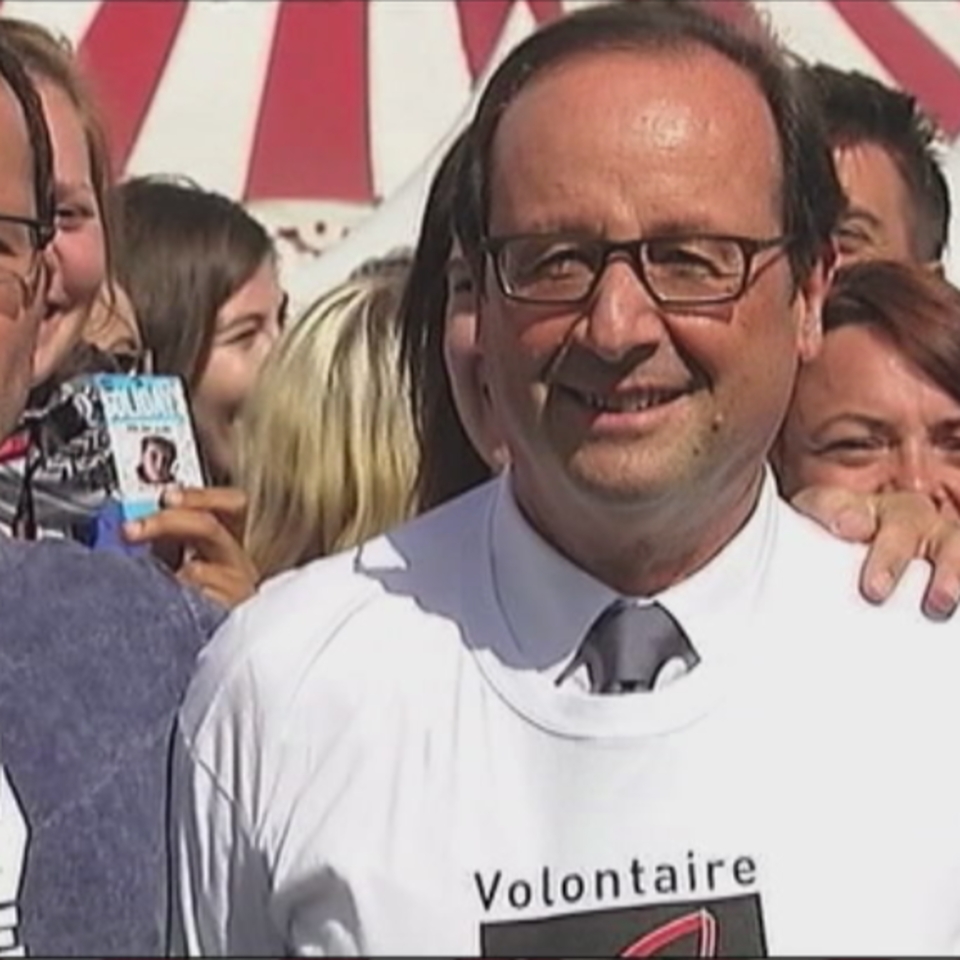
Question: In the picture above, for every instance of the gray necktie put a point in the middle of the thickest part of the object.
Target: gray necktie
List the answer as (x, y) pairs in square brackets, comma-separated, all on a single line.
[(627, 645)]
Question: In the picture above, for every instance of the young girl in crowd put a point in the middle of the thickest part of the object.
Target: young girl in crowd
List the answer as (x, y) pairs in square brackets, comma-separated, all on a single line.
[(328, 453), (202, 276)]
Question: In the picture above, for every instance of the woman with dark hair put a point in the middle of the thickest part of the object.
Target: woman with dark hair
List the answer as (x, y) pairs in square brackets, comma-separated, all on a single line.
[(879, 409), (438, 343), (202, 276)]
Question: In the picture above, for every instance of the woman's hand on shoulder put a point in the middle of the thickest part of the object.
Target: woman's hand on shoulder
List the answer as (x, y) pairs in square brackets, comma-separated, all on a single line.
[(899, 527)]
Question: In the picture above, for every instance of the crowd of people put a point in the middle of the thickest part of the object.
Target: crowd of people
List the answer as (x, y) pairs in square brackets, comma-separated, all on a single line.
[(553, 591)]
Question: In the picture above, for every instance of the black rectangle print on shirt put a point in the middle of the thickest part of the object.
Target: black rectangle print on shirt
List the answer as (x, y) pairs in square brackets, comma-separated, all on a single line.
[(732, 927)]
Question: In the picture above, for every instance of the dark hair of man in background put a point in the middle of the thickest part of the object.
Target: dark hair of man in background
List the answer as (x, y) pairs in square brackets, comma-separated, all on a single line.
[(812, 199), (857, 109), (449, 465)]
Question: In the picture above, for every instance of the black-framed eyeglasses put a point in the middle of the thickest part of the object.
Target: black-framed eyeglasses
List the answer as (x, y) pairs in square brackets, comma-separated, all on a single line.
[(22, 240), (39, 232), (564, 269)]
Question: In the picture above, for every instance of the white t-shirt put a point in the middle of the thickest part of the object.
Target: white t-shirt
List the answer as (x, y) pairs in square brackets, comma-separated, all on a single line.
[(375, 758), (13, 851)]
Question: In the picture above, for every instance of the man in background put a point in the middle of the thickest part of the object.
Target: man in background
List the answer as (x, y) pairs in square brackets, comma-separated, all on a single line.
[(885, 150)]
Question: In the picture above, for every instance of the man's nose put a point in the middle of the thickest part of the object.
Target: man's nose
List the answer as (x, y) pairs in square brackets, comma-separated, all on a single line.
[(622, 315)]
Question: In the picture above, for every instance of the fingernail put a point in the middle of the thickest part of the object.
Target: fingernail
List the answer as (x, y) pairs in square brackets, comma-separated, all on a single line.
[(171, 496), (878, 587), (940, 606)]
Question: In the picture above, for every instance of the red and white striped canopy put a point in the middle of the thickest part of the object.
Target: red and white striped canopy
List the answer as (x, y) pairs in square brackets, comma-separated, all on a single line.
[(315, 112)]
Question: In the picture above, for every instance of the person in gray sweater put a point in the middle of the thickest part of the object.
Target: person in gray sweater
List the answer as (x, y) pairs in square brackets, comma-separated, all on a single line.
[(95, 652)]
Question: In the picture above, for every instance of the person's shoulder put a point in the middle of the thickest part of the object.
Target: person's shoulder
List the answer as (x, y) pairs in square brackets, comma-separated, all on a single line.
[(367, 618), (834, 644), (96, 650), (424, 556), (58, 585), (803, 543), (818, 576)]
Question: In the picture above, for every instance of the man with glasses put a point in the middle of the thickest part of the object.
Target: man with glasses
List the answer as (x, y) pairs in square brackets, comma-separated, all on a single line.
[(26, 227), (622, 701), (95, 651)]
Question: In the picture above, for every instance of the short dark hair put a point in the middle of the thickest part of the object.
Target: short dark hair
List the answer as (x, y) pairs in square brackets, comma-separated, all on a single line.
[(858, 109), (812, 197), (915, 308), (449, 464), (23, 89)]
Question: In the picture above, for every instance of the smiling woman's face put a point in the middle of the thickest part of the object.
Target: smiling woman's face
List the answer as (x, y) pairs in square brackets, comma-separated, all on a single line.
[(248, 325), (77, 254), (865, 419)]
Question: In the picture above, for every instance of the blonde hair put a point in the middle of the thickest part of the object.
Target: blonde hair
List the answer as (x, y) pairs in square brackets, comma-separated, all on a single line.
[(328, 453)]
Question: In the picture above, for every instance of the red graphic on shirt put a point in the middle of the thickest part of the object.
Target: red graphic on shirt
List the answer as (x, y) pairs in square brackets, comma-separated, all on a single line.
[(719, 927), (701, 923)]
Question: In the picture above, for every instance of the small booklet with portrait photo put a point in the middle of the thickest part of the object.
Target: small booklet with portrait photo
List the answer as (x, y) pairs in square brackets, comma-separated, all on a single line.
[(138, 428)]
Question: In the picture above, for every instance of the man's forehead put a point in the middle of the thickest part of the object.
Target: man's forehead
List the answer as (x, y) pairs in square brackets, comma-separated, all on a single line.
[(873, 182), (605, 108), (631, 69), (869, 166), (634, 81)]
